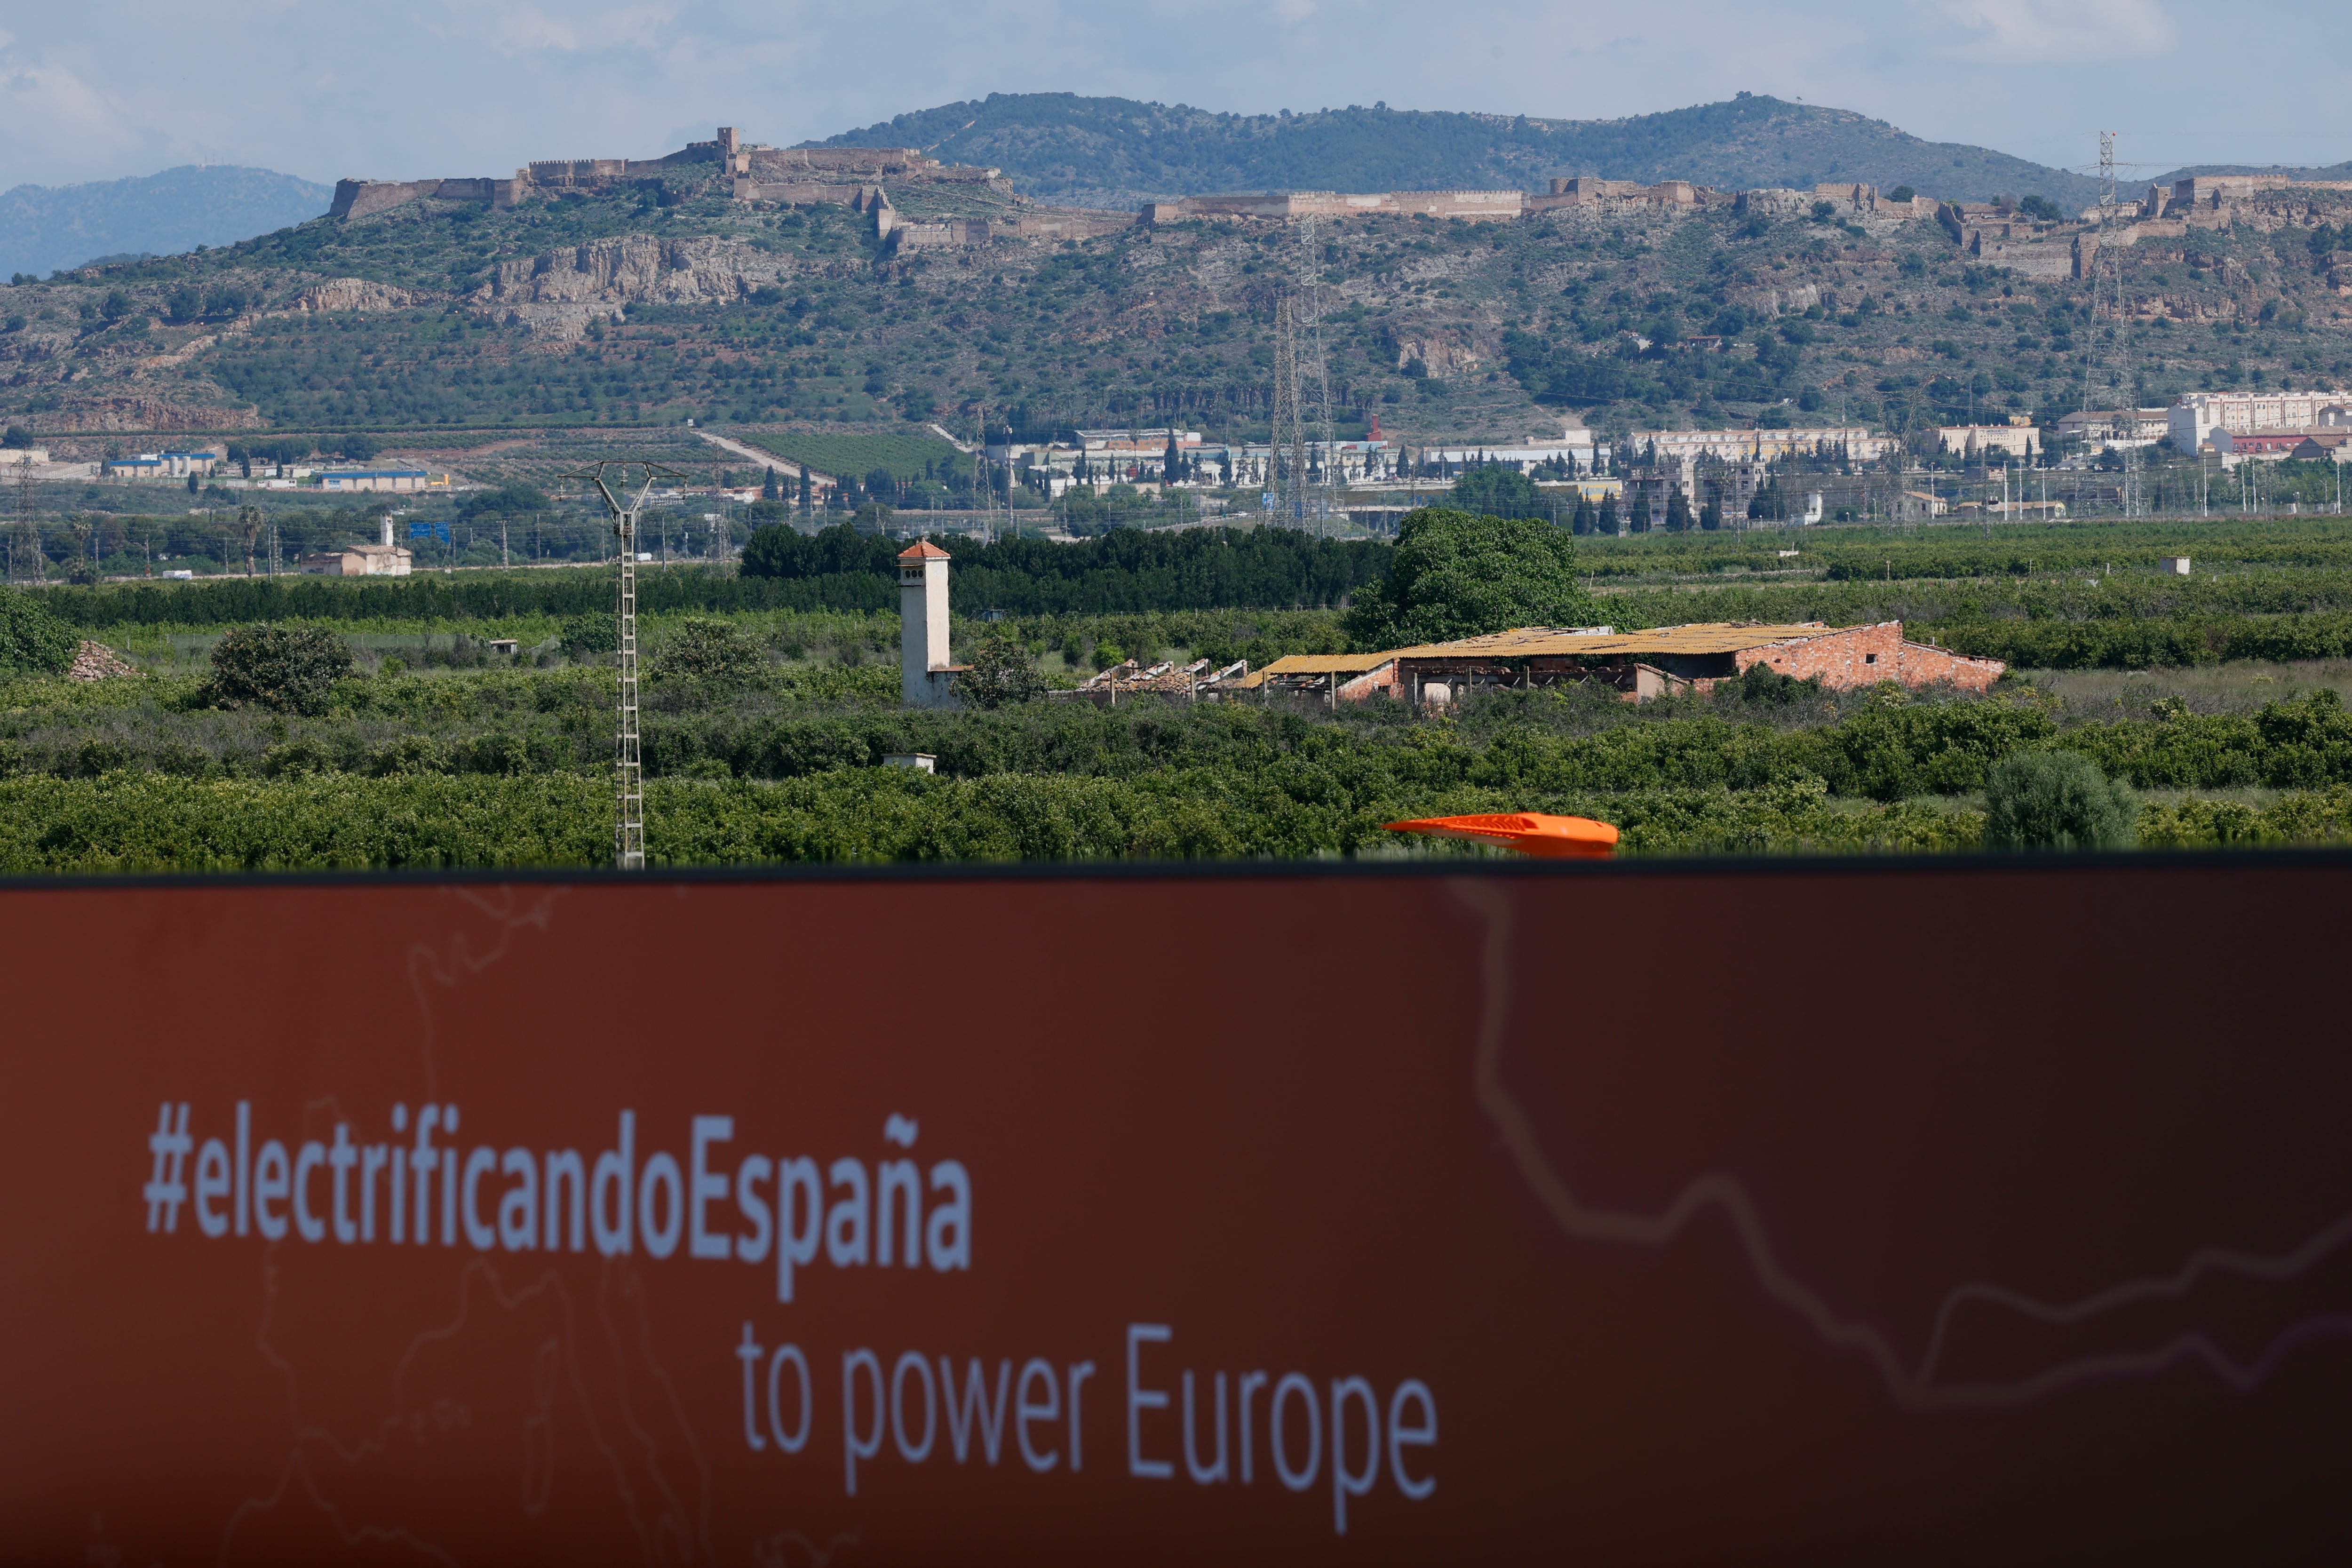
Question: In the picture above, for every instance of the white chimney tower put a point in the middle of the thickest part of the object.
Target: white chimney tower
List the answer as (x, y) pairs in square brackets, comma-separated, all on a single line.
[(926, 678), (386, 540)]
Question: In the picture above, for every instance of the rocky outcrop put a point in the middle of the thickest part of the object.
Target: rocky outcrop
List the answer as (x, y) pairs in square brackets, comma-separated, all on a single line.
[(151, 414), (359, 294), (562, 291)]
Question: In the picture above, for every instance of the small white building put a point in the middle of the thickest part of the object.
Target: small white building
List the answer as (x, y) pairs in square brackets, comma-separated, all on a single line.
[(384, 559), (926, 678)]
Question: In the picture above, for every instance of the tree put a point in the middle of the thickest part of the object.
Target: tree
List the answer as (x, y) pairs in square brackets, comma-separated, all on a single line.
[(807, 488), (1679, 512), (1456, 575), (1172, 462), (16, 438), (250, 525), (712, 653), (1710, 517), (33, 639), (194, 485), (292, 670), (2057, 800), (768, 490), (1901, 194), (1607, 522), (1492, 488), (116, 305), (358, 448), (1002, 672)]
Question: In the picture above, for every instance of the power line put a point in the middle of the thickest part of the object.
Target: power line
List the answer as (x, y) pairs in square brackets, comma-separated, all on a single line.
[(628, 769)]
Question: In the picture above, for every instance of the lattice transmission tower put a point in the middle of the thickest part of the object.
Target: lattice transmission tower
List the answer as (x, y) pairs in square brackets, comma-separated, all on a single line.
[(2107, 279), (1286, 450), (1315, 372), (628, 767), (24, 531)]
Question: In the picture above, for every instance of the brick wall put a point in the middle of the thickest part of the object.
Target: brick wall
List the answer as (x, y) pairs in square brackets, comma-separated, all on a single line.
[(1865, 655)]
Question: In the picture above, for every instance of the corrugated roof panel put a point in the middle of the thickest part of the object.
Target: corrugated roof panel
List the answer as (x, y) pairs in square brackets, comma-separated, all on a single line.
[(1535, 642), (1328, 663)]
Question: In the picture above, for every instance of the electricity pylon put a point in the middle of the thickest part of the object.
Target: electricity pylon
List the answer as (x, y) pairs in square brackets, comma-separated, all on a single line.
[(628, 769), (1287, 459)]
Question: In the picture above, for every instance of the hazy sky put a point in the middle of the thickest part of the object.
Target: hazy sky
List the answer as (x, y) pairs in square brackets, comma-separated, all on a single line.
[(404, 88)]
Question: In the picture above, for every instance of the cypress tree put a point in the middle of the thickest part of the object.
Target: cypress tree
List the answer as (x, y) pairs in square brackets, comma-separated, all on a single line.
[(1172, 462), (1679, 512), (768, 487), (1608, 523)]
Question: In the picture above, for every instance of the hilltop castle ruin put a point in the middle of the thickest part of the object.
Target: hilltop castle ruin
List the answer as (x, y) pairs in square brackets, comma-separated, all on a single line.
[(759, 173), (855, 177)]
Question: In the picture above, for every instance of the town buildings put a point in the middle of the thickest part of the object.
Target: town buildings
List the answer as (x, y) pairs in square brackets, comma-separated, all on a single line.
[(2115, 426), (1853, 443), (163, 466), (2018, 438), (380, 479), (2195, 416)]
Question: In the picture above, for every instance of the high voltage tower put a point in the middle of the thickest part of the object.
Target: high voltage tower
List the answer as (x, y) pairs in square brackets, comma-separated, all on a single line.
[(2106, 279), (25, 532), (628, 769), (1286, 453), (1315, 372)]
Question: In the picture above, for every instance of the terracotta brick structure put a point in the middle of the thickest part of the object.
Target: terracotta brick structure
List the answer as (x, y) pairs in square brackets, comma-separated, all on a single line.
[(1640, 665)]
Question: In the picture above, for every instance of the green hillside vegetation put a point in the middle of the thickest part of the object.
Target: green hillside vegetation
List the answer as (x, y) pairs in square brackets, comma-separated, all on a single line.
[(1475, 333), (1062, 146), (904, 457)]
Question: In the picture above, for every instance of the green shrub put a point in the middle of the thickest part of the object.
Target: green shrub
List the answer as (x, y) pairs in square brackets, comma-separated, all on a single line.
[(32, 639), (712, 653), (592, 634), (2056, 800), (1002, 672), (291, 669)]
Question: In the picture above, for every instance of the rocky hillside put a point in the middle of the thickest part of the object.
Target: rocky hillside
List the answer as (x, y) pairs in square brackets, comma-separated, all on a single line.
[(1118, 151), (613, 310)]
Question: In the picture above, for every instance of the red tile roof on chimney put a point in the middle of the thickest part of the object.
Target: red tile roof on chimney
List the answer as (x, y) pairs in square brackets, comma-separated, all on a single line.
[(925, 550)]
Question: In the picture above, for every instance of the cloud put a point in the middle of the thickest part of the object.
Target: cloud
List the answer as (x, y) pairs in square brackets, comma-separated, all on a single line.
[(531, 29), (527, 29), (2039, 31)]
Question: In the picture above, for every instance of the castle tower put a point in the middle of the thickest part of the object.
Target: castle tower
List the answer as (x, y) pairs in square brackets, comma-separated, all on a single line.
[(926, 678)]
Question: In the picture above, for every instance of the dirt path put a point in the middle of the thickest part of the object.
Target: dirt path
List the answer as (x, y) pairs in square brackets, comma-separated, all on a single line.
[(783, 466)]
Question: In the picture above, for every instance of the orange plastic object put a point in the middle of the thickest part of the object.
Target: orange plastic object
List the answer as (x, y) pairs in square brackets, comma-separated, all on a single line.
[(1528, 832)]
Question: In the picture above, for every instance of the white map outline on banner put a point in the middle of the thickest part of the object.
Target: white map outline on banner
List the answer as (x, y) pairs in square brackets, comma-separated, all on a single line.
[(1913, 1390)]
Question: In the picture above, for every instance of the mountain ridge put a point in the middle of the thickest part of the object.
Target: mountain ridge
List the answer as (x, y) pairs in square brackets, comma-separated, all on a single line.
[(1117, 152), (44, 228)]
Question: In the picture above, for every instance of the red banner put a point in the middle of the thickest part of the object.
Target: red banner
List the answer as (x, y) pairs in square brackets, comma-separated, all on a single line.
[(1790, 1214)]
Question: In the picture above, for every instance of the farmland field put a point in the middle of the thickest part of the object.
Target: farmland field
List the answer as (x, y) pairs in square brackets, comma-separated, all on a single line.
[(906, 457), (2217, 695)]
